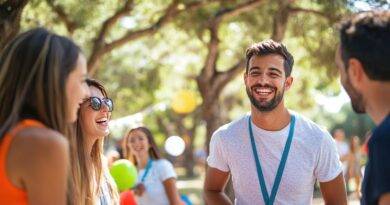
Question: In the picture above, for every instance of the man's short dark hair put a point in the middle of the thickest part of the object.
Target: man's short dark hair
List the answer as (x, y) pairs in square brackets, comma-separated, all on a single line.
[(366, 37), (268, 47)]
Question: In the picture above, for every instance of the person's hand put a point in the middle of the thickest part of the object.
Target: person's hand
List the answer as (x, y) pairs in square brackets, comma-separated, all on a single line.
[(139, 189)]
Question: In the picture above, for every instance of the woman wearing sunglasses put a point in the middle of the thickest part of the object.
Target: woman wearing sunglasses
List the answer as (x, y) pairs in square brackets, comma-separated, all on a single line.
[(92, 126)]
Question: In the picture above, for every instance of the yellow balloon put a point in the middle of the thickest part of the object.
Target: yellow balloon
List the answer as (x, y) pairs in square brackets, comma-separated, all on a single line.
[(184, 102)]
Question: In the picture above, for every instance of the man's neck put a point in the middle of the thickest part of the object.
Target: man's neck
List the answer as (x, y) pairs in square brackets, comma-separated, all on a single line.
[(378, 103), (273, 120)]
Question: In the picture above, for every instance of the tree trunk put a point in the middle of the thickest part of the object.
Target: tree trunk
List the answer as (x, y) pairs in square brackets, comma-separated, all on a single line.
[(189, 162), (280, 21), (10, 13), (189, 138), (211, 115)]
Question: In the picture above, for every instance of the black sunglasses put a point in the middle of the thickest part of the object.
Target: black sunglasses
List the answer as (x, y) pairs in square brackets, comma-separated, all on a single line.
[(96, 103)]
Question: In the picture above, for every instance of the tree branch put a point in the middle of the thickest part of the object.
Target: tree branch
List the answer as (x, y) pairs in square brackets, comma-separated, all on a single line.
[(10, 14), (212, 56), (59, 10), (223, 78), (280, 21), (239, 9), (170, 12), (107, 25), (174, 9), (99, 43), (210, 69), (295, 10)]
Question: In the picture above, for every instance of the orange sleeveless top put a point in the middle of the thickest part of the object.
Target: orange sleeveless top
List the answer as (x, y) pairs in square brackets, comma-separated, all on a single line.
[(9, 194)]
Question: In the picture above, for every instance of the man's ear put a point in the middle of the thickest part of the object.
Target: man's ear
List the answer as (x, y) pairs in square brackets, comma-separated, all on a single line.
[(356, 73), (289, 81)]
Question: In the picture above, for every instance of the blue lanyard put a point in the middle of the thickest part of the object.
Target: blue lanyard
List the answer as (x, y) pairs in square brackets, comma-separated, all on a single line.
[(269, 200), (148, 166)]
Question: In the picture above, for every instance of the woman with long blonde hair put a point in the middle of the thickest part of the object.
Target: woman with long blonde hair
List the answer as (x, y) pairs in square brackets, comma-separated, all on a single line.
[(97, 186), (156, 176), (42, 84)]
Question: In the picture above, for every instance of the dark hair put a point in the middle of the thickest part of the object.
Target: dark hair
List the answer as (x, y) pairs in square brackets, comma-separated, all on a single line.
[(366, 37), (268, 47), (98, 85), (34, 68), (153, 151)]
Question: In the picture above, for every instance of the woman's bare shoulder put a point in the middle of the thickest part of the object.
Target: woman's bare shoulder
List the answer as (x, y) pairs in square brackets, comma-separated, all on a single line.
[(36, 151)]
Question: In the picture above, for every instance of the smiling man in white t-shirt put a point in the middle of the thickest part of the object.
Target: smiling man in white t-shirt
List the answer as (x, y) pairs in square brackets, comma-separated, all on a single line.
[(274, 155)]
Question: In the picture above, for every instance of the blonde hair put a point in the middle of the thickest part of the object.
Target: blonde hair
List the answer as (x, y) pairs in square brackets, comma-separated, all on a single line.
[(90, 184)]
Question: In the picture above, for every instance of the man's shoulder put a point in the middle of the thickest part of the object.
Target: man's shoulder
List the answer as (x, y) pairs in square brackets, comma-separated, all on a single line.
[(381, 136), (383, 130), (309, 128), (235, 126)]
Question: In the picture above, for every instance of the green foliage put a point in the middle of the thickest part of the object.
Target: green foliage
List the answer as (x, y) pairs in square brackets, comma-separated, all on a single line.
[(38, 13), (131, 83), (352, 123), (152, 69)]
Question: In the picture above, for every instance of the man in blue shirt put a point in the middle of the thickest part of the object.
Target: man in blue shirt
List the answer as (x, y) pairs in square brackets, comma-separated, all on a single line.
[(363, 59)]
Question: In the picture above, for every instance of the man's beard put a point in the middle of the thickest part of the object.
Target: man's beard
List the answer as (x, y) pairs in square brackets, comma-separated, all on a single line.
[(265, 106), (356, 97)]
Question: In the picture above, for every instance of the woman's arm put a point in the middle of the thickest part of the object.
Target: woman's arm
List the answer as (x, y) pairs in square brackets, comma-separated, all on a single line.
[(171, 191), (351, 164)]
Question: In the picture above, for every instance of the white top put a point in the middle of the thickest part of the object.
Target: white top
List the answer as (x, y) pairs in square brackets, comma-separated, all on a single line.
[(343, 149), (155, 194), (105, 196), (312, 156)]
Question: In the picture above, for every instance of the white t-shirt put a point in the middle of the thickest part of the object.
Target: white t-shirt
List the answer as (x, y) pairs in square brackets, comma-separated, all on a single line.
[(312, 156), (160, 171)]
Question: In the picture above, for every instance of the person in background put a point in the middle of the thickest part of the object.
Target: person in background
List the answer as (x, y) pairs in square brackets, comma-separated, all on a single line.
[(156, 176), (112, 156), (354, 158), (42, 84), (343, 151), (364, 148)]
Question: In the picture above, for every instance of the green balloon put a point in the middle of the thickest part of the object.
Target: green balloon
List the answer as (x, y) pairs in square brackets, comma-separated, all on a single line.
[(124, 174)]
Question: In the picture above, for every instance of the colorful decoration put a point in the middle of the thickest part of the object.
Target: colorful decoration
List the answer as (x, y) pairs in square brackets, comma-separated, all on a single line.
[(124, 174), (184, 102)]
